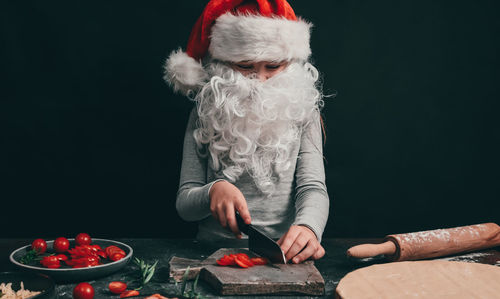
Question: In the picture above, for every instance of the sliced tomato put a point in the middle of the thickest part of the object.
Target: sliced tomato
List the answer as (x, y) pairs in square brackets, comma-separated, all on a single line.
[(259, 260), (226, 260), (244, 258), (110, 250), (117, 287), (116, 256), (102, 254), (242, 255), (129, 293), (156, 296), (243, 262), (61, 257), (222, 262), (50, 261), (96, 247)]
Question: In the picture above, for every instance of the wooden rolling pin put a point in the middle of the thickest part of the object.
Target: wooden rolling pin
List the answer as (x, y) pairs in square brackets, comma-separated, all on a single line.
[(431, 243)]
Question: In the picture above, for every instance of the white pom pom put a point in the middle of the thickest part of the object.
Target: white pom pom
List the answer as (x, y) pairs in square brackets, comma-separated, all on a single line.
[(184, 73)]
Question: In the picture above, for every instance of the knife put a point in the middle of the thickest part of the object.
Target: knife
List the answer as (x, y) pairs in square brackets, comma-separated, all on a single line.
[(260, 243)]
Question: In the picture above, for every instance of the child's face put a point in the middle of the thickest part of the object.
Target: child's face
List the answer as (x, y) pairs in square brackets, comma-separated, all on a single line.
[(262, 70)]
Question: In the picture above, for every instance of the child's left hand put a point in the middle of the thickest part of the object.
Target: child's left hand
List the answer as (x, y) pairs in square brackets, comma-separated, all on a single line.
[(300, 243)]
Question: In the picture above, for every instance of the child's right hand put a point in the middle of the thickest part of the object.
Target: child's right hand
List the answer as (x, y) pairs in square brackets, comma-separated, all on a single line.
[(225, 199)]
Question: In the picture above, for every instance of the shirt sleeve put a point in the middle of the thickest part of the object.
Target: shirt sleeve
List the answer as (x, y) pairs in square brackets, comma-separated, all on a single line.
[(193, 200), (311, 197)]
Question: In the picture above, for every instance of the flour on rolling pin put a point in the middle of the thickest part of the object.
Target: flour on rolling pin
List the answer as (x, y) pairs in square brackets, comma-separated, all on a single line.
[(432, 243), (472, 231)]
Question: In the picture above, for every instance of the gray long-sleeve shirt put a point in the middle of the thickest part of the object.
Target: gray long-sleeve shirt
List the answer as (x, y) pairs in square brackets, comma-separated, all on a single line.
[(300, 197)]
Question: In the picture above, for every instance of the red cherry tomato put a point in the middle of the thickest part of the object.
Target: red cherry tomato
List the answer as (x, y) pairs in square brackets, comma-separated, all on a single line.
[(117, 287), (39, 245), (129, 293), (83, 239), (83, 290), (61, 245)]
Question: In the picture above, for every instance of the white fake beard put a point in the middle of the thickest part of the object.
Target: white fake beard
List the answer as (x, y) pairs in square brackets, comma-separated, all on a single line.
[(249, 125)]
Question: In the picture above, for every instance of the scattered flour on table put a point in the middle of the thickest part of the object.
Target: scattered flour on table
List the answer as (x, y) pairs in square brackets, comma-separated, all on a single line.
[(471, 257)]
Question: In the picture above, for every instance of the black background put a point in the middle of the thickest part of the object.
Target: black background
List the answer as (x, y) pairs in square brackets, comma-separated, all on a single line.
[(91, 137)]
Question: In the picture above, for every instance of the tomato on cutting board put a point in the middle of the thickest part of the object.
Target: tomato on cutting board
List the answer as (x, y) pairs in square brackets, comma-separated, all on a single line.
[(259, 261), (241, 259), (226, 260)]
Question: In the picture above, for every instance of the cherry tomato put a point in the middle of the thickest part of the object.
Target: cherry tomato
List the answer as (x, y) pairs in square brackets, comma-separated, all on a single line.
[(129, 293), (83, 239), (39, 245), (117, 287), (83, 290), (61, 245)]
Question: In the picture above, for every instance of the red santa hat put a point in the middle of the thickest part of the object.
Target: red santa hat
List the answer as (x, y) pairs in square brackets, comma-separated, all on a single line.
[(238, 30)]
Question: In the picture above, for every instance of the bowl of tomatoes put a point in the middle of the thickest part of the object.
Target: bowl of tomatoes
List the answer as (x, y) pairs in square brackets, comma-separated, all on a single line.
[(77, 259)]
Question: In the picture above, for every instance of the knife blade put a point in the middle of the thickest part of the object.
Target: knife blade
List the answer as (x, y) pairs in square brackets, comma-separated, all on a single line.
[(260, 243)]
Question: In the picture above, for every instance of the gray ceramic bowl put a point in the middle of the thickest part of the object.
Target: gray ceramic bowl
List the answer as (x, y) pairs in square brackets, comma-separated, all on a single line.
[(68, 274), (31, 281)]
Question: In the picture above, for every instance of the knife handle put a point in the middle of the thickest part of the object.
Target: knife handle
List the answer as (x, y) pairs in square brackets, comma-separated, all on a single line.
[(241, 223)]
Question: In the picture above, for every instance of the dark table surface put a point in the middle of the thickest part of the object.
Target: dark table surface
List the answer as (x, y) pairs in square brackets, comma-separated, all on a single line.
[(333, 266)]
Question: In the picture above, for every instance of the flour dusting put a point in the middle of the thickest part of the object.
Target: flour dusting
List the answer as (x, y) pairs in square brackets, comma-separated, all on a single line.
[(445, 235), (471, 257)]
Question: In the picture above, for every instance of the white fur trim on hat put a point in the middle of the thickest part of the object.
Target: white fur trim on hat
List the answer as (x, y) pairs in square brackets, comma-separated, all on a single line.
[(257, 38), (184, 73)]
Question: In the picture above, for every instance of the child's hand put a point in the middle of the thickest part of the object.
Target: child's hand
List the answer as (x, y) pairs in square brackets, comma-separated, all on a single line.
[(225, 199), (300, 243)]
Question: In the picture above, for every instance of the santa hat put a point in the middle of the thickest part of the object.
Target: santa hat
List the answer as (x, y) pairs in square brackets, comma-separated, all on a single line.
[(238, 30)]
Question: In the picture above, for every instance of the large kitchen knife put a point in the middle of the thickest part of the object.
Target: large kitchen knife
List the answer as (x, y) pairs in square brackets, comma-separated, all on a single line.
[(260, 243)]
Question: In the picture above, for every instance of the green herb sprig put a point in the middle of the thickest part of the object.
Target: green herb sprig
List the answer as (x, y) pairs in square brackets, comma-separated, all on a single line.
[(146, 271), (32, 256), (191, 294), (28, 257)]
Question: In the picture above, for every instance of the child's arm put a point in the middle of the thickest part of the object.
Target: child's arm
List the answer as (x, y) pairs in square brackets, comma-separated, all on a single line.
[(302, 241), (197, 198), (311, 199), (225, 199), (193, 201)]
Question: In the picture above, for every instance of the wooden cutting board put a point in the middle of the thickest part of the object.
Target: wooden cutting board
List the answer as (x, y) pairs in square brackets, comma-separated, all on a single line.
[(301, 278)]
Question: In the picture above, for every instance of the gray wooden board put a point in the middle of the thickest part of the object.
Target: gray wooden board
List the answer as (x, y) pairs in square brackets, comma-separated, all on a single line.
[(301, 278)]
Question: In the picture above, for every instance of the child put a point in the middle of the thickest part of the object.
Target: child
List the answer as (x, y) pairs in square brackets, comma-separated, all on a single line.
[(253, 143)]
